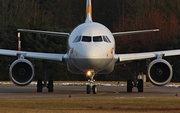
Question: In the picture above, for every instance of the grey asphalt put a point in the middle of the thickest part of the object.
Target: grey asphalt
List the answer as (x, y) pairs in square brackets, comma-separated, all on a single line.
[(60, 91)]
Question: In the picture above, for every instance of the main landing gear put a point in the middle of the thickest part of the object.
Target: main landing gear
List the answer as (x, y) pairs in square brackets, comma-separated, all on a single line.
[(49, 85), (40, 85), (91, 88), (139, 85), (136, 83)]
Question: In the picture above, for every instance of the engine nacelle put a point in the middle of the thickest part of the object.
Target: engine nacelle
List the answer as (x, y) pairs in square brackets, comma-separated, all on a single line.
[(160, 72), (21, 72)]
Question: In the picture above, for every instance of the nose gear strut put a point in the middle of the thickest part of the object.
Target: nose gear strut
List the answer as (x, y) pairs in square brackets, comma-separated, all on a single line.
[(91, 88)]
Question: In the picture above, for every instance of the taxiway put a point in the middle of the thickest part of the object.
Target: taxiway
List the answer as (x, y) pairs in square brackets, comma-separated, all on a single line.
[(66, 91)]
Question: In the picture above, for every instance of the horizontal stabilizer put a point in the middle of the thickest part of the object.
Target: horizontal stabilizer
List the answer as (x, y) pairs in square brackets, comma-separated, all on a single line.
[(134, 32), (45, 32)]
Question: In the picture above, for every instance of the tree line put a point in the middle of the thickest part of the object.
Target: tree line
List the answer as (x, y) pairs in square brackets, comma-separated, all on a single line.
[(65, 15)]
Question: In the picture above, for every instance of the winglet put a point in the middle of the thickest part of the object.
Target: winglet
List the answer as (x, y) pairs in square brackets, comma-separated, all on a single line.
[(88, 11)]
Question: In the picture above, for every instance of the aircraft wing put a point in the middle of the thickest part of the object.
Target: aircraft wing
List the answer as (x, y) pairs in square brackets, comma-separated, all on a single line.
[(146, 55), (44, 32), (33, 55), (134, 32)]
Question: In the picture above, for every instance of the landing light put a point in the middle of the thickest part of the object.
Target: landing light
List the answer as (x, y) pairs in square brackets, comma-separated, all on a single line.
[(90, 73)]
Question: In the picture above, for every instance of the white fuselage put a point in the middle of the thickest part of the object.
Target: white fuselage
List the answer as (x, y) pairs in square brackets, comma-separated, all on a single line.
[(91, 47)]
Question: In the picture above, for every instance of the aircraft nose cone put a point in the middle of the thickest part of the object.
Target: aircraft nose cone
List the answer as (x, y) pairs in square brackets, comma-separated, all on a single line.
[(93, 52), (90, 57)]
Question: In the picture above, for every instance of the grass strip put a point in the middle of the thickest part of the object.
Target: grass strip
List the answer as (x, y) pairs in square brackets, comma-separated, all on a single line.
[(88, 105)]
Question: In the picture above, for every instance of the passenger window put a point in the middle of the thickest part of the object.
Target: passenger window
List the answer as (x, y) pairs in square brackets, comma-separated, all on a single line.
[(97, 39), (86, 39)]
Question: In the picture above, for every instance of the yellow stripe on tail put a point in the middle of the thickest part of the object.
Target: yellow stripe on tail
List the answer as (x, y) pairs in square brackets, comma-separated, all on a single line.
[(88, 11)]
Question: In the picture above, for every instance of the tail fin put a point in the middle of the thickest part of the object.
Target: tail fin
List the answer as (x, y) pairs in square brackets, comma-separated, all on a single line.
[(88, 11)]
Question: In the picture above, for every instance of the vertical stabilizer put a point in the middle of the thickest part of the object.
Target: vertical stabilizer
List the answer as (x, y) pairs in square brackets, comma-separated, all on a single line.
[(88, 11)]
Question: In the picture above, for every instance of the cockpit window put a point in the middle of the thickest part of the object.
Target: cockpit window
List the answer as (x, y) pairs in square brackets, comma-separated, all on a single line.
[(86, 38), (77, 39), (89, 39), (106, 39), (97, 39)]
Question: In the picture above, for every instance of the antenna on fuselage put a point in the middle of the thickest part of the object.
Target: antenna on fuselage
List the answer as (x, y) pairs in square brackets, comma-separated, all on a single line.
[(88, 11)]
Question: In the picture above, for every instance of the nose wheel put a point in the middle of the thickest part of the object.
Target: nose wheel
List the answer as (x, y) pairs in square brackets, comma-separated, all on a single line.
[(91, 88)]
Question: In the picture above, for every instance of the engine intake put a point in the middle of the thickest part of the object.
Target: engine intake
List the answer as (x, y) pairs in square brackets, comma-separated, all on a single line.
[(21, 72), (160, 72)]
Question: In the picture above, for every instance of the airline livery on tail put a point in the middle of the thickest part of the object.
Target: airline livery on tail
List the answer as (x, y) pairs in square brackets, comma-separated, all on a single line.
[(91, 51)]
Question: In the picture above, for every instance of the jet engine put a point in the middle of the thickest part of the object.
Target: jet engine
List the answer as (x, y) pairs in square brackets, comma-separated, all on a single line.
[(21, 72), (160, 72)]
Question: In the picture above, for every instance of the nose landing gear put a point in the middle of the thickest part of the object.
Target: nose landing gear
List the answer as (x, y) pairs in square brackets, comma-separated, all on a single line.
[(91, 88)]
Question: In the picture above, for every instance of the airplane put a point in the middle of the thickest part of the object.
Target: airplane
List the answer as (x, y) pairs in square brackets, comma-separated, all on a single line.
[(91, 51)]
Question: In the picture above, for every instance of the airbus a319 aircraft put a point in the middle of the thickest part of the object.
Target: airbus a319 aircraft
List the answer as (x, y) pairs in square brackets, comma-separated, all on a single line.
[(91, 51)]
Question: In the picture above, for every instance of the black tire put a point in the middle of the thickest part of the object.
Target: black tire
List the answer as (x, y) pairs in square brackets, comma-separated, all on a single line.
[(88, 89), (39, 86), (50, 86), (129, 86), (94, 88), (140, 85)]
